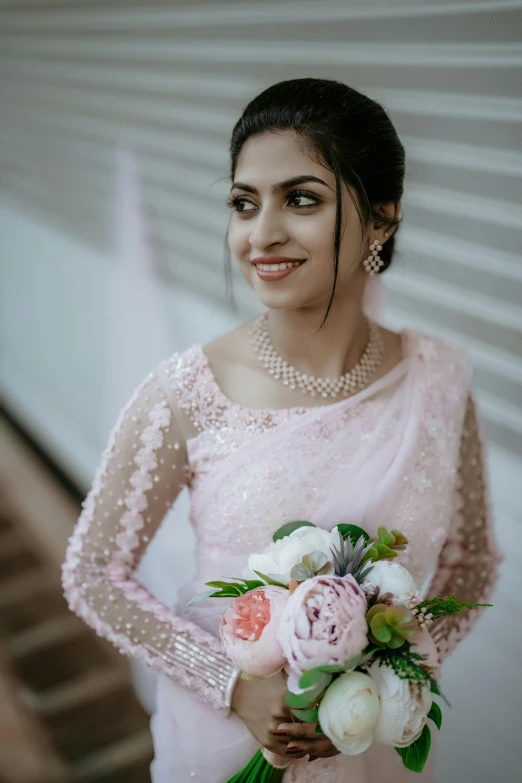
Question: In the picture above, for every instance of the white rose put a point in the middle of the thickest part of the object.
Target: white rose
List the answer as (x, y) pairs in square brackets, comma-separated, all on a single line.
[(391, 578), (349, 711), (282, 555), (403, 711)]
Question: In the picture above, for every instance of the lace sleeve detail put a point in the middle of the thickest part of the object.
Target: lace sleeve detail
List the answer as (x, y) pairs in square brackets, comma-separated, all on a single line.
[(142, 470), (469, 561)]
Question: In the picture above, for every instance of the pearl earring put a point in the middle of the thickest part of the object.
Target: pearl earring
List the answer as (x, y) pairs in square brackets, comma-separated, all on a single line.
[(373, 263)]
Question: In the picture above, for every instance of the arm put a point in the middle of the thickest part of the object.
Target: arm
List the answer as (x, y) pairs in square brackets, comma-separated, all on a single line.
[(469, 561), (142, 470)]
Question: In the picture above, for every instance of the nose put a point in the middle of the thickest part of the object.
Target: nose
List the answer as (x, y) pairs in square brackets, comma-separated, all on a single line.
[(269, 229)]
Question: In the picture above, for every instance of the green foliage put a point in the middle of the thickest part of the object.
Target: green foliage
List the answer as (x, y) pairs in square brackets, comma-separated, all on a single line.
[(360, 660), (289, 527), (305, 700), (315, 683), (435, 714), (315, 678), (348, 558), (258, 770), (386, 545), (354, 532), (307, 716), (408, 665), (313, 564), (270, 581), (434, 687), (331, 668), (231, 589), (415, 755), (390, 625), (441, 607), (202, 597)]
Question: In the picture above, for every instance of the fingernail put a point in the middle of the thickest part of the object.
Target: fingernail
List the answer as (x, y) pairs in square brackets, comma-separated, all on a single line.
[(292, 749), (281, 733)]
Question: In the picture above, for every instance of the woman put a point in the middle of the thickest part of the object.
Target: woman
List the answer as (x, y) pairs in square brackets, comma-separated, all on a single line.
[(371, 427)]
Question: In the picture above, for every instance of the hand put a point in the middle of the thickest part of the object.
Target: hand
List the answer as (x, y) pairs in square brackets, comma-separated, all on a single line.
[(305, 740), (261, 706)]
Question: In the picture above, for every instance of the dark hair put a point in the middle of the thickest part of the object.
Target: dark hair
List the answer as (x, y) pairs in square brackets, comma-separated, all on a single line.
[(353, 136)]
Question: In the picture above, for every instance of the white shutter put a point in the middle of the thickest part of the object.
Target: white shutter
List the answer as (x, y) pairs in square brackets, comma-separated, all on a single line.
[(77, 78)]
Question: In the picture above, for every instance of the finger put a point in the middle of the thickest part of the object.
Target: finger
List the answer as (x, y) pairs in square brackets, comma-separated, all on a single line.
[(313, 757), (318, 747), (300, 730)]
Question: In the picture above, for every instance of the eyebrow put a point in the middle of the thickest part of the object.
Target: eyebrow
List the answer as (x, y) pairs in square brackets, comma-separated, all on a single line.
[(279, 186)]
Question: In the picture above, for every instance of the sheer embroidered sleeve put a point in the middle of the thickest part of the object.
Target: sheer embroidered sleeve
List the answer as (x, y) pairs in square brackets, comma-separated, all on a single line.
[(469, 562), (142, 470)]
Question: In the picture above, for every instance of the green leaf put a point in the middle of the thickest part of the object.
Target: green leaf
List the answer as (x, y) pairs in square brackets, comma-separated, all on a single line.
[(201, 597), (225, 585), (331, 668), (301, 700), (384, 551), (228, 592), (352, 663), (315, 560), (252, 584), (415, 755), (289, 527), (300, 572), (396, 641), (435, 714), (270, 581), (380, 629), (373, 650), (434, 687), (307, 716), (354, 532), (314, 678)]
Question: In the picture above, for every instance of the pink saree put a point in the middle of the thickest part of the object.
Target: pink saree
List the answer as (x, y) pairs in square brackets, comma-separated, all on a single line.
[(390, 455)]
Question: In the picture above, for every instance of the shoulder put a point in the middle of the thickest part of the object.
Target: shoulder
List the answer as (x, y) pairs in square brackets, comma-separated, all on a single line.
[(193, 370), (441, 356)]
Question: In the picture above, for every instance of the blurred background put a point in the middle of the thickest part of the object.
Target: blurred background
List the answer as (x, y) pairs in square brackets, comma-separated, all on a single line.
[(115, 119)]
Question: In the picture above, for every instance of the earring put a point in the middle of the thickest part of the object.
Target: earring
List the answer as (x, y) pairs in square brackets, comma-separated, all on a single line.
[(373, 263)]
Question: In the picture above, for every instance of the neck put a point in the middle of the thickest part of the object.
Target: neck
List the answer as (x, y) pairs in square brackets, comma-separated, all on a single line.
[(330, 352)]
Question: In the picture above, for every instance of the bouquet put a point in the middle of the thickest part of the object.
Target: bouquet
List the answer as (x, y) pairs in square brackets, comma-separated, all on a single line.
[(349, 627)]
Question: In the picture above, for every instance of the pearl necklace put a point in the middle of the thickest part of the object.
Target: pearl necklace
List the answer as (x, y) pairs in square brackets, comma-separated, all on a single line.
[(354, 380)]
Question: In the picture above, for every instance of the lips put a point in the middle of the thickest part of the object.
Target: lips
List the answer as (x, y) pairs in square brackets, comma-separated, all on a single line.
[(276, 274), (275, 260)]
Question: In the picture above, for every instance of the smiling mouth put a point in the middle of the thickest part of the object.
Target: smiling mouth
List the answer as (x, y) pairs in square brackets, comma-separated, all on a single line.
[(278, 267)]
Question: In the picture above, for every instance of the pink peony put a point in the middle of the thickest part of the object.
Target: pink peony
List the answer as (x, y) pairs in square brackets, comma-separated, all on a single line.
[(249, 627), (324, 622)]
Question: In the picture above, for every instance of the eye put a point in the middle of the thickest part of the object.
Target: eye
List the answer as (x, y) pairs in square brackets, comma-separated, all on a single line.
[(236, 202), (303, 194)]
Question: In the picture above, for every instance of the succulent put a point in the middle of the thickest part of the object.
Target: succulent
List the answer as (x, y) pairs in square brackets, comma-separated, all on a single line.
[(390, 625), (313, 564), (350, 559), (386, 545)]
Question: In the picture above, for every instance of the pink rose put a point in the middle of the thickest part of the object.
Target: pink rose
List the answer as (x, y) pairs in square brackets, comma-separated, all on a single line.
[(424, 645), (324, 622), (249, 627)]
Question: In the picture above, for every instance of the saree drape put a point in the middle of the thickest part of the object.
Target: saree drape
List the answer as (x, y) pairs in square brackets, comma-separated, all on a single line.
[(372, 459)]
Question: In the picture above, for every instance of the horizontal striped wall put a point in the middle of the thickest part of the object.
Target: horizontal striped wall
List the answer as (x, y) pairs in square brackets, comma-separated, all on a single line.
[(79, 78)]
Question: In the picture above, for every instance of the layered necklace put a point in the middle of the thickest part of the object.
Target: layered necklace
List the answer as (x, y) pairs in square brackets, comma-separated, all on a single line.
[(349, 383)]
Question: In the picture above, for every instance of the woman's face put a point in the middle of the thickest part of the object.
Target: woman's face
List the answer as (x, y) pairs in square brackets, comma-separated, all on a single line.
[(271, 219)]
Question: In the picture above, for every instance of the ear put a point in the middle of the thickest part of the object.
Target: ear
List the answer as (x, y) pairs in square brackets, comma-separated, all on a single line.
[(391, 210)]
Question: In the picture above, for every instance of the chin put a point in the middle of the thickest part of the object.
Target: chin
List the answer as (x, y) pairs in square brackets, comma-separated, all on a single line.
[(278, 300)]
